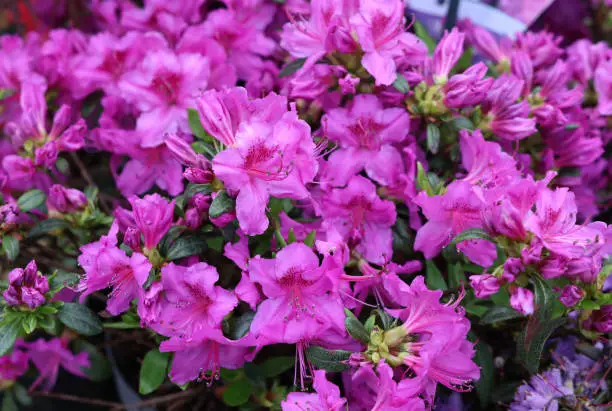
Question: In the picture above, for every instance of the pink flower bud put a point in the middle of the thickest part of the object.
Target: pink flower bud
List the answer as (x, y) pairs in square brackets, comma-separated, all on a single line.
[(26, 287), (521, 299), (198, 176), (512, 268), (73, 138), (571, 295), (66, 200), (132, 238), (46, 155), (484, 285)]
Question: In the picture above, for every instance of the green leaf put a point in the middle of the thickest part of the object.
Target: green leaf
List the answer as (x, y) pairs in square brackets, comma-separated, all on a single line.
[(291, 236), (370, 323), (62, 166), (240, 325), (99, 367), (63, 279), (497, 314), (328, 360), (401, 84), (195, 124), (186, 246), (238, 393), (571, 126), (8, 402), (31, 200), (456, 276), (80, 319), (421, 32), (532, 340), (215, 243), (433, 277), (21, 395), (386, 320), (423, 182), (310, 238), (292, 67), (8, 334), (193, 189), (10, 246), (222, 204), (153, 371), (47, 226), (433, 138), (29, 323), (472, 234), (484, 358), (544, 297), (276, 365), (170, 237), (461, 123), (504, 392), (355, 328), (201, 147)]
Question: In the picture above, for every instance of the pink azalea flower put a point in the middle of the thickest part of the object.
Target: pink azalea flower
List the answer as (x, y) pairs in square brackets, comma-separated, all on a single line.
[(191, 300), (246, 290), (13, 365), (327, 397), (26, 287), (571, 295), (153, 216), (368, 389), (467, 88), (442, 354), (298, 298), (484, 285), (162, 88), (361, 218), (66, 200), (270, 155), (48, 356), (365, 133), (209, 351), (382, 36), (106, 265), (448, 215)]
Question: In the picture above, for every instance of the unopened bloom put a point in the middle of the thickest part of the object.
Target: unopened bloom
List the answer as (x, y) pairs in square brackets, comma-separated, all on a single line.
[(571, 295), (66, 200), (484, 285), (521, 299), (447, 53), (153, 215), (26, 286)]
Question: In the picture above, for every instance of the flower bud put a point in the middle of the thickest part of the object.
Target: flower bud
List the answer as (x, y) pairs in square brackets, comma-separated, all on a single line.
[(571, 295), (132, 238), (26, 287), (192, 218), (66, 200), (512, 268), (521, 299), (73, 138), (46, 155), (484, 285), (198, 175)]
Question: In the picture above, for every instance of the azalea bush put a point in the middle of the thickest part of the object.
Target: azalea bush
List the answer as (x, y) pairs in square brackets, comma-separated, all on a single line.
[(302, 206)]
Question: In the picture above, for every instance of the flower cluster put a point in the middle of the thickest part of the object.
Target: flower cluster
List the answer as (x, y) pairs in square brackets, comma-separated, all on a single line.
[(240, 182)]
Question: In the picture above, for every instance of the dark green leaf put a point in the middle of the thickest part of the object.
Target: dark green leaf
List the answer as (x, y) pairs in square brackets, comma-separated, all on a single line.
[(504, 392), (222, 204), (292, 67), (328, 360), (571, 126), (423, 182), (433, 138), (544, 298), (10, 246), (195, 124), (228, 375), (370, 323), (29, 323), (21, 395), (99, 367), (484, 358), (186, 246), (310, 238), (401, 84), (47, 226), (456, 276), (207, 149), (355, 328), (472, 234), (276, 366), (170, 237), (497, 314), (8, 402), (461, 123), (532, 340), (215, 243), (386, 320), (433, 277), (8, 334), (240, 325), (291, 236), (62, 166), (153, 371), (31, 200), (63, 279), (193, 189), (237, 393), (80, 319), (421, 32)]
